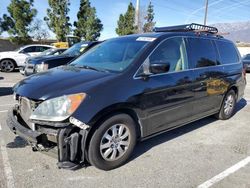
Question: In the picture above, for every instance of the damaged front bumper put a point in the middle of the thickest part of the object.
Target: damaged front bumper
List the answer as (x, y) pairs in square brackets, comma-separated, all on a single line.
[(67, 143)]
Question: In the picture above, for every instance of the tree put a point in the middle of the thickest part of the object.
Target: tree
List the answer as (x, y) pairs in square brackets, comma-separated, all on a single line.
[(149, 25), (88, 26), (57, 18), (38, 30), (126, 22), (17, 23)]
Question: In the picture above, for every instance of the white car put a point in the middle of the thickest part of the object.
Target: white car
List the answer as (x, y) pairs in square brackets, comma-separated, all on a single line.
[(13, 59)]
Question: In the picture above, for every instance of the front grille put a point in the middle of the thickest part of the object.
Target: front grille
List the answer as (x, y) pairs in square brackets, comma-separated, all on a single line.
[(26, 107)]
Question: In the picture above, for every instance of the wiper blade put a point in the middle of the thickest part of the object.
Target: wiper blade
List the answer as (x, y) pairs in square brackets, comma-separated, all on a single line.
[(92, 68)]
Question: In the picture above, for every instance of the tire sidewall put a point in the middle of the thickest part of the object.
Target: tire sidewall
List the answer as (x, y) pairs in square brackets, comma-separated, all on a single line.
[(94, 155)]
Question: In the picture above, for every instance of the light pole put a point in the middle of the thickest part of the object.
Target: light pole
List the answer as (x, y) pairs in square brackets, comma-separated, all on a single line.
[(206, 10), (137, 13)]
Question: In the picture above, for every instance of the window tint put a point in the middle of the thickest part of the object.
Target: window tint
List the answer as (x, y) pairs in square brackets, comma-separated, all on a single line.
[(29, 49), (171, 51), (201, 52), (227, 52)]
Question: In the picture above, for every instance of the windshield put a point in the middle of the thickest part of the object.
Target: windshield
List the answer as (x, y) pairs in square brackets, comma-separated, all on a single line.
[(247, 57), (76, 49), (19, 49), (113, 55), (47, 52)]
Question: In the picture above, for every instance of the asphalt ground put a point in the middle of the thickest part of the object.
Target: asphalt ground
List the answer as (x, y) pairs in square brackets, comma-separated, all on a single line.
[(206, 153)]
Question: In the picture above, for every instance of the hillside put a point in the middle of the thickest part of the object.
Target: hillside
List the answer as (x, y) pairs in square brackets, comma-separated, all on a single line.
[(239, 31)]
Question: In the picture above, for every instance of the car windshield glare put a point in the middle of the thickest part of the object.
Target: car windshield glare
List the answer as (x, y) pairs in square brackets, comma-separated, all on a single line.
[(112, 55), (76, 49)]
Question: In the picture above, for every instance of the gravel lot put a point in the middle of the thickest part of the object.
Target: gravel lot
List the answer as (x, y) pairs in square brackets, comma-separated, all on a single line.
[(185, 157)]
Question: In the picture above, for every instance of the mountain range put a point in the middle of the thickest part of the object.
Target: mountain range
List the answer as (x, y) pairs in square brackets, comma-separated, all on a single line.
[(238, 31)]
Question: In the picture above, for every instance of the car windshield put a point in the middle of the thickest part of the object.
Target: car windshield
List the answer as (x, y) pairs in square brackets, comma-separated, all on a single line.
[(112, 55), (19, 49), (247, 57), (76, 49), (47, 52)]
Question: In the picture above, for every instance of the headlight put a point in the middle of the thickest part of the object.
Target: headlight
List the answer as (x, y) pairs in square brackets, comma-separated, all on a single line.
[(42, 67), (58, 109)]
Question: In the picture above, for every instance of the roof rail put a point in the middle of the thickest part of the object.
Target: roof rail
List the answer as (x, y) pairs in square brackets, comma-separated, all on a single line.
[(187, 28)]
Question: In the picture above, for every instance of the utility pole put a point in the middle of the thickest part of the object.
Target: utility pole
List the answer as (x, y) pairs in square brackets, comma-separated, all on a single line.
[(206, 9), (137, 13)]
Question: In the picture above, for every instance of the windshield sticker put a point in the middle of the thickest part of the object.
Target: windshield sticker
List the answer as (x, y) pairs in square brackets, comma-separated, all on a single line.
[(146, 39)]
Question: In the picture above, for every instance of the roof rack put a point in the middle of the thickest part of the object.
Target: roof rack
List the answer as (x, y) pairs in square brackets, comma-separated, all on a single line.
[(187, 28)]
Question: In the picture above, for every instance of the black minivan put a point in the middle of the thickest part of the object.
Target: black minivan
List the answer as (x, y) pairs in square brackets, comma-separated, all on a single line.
[(128, 89)]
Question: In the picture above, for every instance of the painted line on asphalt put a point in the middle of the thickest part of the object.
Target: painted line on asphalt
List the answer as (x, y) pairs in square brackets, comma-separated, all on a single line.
[(6, 166), (6, 105), (3, 111), (0, 127), (225, 173)]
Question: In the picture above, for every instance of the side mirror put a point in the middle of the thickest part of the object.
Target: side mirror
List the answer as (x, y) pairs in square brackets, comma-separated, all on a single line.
[(159, 67)]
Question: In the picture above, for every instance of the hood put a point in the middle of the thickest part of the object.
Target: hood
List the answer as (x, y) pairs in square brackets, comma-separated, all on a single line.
[(59, 81), (9, 53), (40, 59)]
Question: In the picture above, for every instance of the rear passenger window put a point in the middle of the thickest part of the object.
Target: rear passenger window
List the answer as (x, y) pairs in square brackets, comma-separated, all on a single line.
[(202, 52), (228, 53)]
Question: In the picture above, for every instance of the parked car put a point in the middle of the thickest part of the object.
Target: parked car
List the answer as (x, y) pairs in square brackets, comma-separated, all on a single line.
[(49, 52), (44, 63), (246, 62), (14, 59), (128, 89)]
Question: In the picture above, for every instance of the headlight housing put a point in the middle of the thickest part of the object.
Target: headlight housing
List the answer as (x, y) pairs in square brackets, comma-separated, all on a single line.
[(58, 109), (42, 67)]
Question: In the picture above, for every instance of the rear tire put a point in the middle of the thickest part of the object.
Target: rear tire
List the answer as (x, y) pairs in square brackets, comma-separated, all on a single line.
[(228, 106), (7, 65), (113, 142)]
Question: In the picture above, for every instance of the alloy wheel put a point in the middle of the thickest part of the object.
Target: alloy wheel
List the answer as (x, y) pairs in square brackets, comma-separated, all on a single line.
[(115, 142), (7, 66)]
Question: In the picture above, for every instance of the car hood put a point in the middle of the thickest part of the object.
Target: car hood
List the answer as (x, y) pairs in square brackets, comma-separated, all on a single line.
[(59, 81), (8, 53), (39, 59)]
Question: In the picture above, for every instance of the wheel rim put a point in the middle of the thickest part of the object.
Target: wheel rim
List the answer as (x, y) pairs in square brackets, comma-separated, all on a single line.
[(7, 65), (229, 105), (115, 142)]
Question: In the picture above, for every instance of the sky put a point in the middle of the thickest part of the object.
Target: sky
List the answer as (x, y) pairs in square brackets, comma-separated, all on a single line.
[(167, 12)]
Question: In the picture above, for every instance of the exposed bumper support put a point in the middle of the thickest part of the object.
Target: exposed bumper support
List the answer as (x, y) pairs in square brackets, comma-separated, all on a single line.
[(71, 142)]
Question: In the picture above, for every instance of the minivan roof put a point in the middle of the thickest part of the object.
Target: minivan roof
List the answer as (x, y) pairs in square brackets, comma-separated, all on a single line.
[(171, 34), (193, 30)]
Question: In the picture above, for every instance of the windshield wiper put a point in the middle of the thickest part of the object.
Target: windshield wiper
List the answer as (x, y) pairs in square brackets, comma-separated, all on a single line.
[(92, 68)]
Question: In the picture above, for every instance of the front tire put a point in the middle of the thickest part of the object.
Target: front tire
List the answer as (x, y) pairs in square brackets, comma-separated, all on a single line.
[(113, 142), (228, 106), (7, 65)]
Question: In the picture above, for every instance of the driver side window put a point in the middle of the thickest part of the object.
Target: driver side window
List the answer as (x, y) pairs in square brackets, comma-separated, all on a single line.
[(172, 52)]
